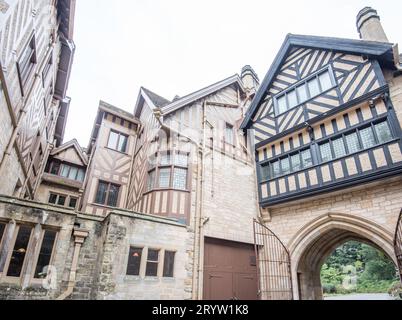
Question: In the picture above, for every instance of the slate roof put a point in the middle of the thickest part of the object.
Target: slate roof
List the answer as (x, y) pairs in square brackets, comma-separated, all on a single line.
[(157, 100)]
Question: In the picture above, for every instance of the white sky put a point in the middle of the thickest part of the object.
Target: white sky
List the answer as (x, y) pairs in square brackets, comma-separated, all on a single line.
[(177, 46)]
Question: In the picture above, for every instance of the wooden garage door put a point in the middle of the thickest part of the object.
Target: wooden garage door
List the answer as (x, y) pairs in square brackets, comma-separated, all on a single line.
[(230, 271)]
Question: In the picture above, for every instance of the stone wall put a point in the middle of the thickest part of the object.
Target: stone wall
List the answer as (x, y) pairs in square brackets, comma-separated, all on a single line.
[(125, 230), (14, 211)]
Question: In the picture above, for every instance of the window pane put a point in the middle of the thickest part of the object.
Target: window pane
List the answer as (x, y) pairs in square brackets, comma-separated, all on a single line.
[(264, 172), (325, 150), (352, 142), (101, 193), (113, 195), (285, 164), (19, 252), (52, 198), (276, 170), (73, 203), (64, 170), (282, 105), (229, 133), (164, 178), (113, 138), (313, 87), (168, 264), (165, 159), (61, 201), (152, 263), (55, 168), (325, 81), (73, 173), (292, 98), (339, 148), (45, 254), (307, 160), (180, 179), (181, 160), (383, 132), (302, 92), (153, 255), (81, 175), (296, 164), (122, 143), (134, 261), (151, 180), (152, 269), (367, 136)]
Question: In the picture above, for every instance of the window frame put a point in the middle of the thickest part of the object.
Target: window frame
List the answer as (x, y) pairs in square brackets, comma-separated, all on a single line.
[(62, 164), (142, 248), (157, 166), (229, 126), (289, 156), (3, 275), (159, 251), (66, 203), (119, 134), (25, 71), (106, 203), (357, 130), (32, 253), (164, 263), (304, 82), (37, 253)]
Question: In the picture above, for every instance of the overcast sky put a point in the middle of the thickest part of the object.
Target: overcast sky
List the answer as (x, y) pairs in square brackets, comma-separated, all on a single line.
[(175, 47)]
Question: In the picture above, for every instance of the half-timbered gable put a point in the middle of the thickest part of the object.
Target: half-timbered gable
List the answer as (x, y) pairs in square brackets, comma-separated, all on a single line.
[(111, 150), (323, 119)]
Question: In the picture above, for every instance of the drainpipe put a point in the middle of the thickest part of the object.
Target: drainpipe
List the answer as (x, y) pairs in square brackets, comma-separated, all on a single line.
[(80, 236)]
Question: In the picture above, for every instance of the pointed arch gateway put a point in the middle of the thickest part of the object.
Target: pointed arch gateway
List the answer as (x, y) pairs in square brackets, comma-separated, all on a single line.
[(398, 245), (312, 245)]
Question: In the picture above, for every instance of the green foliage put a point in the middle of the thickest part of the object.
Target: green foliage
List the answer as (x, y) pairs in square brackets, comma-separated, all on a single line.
[(358, 268)]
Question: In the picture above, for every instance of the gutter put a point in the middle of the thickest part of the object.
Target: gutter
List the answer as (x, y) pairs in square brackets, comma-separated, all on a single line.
[(80, 236)]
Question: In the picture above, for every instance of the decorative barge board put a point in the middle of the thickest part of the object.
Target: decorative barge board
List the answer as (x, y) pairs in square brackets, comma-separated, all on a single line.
[(323, 119)]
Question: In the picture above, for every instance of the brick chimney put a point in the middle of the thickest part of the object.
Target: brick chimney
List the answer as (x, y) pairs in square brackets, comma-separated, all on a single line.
[(369, 25)]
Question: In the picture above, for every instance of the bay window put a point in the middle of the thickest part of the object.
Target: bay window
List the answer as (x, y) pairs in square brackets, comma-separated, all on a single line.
[(168, 171)]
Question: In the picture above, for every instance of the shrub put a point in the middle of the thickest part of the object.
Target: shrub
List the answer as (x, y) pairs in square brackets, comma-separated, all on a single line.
[(329, 288)]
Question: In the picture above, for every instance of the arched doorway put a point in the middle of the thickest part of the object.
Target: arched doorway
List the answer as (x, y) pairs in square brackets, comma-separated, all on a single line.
[(313, 244)]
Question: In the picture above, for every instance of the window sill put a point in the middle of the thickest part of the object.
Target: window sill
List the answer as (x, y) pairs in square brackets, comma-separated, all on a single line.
[(333, 160), (166, 189), (117, 151)]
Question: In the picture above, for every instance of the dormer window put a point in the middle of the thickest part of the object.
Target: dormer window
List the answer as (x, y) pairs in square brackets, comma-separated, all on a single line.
[(67, 171), (304, 91)]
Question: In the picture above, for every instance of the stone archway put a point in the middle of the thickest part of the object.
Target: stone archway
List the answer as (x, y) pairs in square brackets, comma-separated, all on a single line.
[(311, 246)]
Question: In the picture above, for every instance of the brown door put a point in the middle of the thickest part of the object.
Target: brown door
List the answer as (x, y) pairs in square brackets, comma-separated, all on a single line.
[(230, 271)]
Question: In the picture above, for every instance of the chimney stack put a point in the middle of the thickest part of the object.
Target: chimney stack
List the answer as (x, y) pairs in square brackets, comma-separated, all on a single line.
[(250, 79), (369, 25)]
